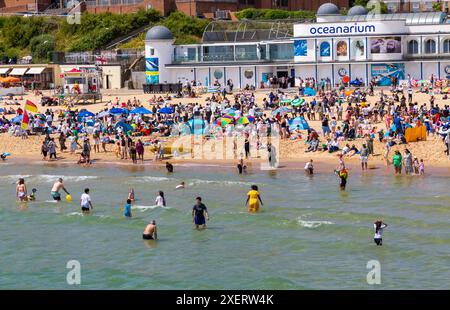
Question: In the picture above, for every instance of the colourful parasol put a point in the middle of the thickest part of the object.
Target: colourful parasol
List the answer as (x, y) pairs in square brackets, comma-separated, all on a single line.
[(223, 121)]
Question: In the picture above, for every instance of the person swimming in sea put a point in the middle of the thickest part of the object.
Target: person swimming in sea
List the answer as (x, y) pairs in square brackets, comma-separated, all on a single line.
[(180, 186), (378, 227), (199, 214), (150, 231), (169, 167), (253, 199), (127, 208)]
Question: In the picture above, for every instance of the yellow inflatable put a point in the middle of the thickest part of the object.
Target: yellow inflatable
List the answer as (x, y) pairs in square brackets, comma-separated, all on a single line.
[(68, 198)]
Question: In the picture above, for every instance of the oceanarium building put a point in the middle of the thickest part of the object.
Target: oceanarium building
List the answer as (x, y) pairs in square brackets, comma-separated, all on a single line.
[(359, 45)]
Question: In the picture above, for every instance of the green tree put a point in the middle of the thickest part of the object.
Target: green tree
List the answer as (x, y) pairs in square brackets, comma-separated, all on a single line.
[(437, 6), (41, 47)]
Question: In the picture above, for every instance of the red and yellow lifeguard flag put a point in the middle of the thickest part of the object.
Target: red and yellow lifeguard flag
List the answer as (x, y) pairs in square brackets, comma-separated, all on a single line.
[(31, 107), (25, 120)]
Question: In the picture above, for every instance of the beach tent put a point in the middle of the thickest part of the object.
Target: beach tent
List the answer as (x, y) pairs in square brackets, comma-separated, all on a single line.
[(126, 127), (198, 126), (118, 111), (141, 111), (414, 134), (2, 110), (282, 110), (298, 123), (103, 114), (17, 119), (165, 110), (310, 92)]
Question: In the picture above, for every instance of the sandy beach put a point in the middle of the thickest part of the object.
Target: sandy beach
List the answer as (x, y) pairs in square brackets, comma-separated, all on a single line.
[(292, 152)]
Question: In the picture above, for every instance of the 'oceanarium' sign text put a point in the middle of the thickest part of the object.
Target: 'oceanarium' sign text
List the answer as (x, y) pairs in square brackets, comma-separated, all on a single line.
[(364, 29), (313, 30)]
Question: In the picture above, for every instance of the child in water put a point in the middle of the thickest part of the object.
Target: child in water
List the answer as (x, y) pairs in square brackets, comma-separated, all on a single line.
[(253, 199), (421, 167), (127, 208), (32, 196)]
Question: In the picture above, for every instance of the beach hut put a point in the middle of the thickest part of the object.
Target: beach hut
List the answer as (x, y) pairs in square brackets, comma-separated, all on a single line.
[(298, 123)]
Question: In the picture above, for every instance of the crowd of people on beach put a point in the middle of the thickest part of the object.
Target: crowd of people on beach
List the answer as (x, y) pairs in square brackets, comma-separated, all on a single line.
[(129, 128)]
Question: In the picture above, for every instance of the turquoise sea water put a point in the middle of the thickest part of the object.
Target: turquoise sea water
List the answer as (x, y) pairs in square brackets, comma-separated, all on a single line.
[(309, 235)]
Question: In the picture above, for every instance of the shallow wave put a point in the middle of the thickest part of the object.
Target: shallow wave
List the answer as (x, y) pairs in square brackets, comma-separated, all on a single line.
[(15, 177), (145, 208), (74, 213), (152, 179), (231, 183), (70, 178), (313, 224)]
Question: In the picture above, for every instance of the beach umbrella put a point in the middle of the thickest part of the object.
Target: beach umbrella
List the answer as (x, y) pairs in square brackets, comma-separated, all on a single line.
[(298, 123), (126, 127), (223, 121), (41, 116), (297, 102), (85, 113), (141, 111), (244, 120), (229, 110), (165, 110), (118, 111), (230, 116), (10, 79), (286, 101), (310, 92)]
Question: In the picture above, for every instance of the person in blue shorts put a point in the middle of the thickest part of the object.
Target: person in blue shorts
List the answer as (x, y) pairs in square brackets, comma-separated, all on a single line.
[(199, 214), (127, 208)]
